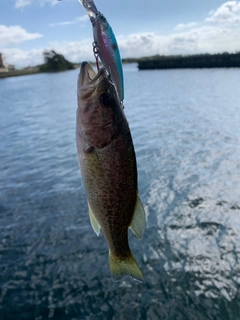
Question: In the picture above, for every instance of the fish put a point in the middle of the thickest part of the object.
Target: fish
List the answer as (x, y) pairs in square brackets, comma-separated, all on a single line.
[(106, 46), (108, 166)]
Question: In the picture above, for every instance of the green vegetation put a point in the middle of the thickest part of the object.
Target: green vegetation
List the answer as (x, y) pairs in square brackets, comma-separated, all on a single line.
[(221, 60), (55, 62), (129, 60)]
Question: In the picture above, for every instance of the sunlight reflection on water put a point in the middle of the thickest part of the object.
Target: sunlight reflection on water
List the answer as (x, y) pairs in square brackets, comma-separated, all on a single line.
[(185, 127)]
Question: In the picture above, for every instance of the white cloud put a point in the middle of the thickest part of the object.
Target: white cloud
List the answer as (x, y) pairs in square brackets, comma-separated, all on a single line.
[(228, 12), (204, 39), (52, 2), (21, 58), (183, 26), (78, 20), (15, 34), (73, 51), (212, 35), (24, 3), (142, 44), (208, 36)]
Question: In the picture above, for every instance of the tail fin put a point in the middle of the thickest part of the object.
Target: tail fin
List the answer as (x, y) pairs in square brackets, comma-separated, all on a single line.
[(122, 266)]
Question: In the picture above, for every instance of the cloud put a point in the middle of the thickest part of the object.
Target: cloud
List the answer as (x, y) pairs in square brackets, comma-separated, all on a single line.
[(208, 36), (212, 35), (77, 20), (185, 43), (228, 12), (22, 58), (73, 51), (141, 44), (24, 3), (15, 34), (203, 39), (183, 26)]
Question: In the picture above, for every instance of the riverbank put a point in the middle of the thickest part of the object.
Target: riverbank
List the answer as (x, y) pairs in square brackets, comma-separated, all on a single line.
[(16, 73), (53, 62), (25, 72)]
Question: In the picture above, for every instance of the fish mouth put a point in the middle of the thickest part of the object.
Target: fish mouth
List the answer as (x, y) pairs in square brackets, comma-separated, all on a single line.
[(88, 77), (90, 83)]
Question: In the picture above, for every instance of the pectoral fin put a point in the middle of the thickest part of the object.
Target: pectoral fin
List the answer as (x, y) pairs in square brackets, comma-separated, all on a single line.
[(138, 223), (95, 225)]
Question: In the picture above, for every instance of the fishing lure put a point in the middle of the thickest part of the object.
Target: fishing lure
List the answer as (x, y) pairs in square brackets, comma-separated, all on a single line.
[(105, 46)]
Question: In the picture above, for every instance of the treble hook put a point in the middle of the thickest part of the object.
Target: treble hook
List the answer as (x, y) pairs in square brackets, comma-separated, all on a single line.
[(95, 52)]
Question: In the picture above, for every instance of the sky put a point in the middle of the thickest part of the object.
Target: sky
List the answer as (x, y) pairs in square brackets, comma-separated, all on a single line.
[(142, 28)]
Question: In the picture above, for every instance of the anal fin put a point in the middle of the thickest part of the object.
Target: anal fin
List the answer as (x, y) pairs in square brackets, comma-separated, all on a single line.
[(95, 225), (138, 223)]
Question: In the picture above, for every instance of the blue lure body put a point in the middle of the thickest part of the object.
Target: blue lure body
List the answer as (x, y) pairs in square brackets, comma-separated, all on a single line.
[(105, 46)]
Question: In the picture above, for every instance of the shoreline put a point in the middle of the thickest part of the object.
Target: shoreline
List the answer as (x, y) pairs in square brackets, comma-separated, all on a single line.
[(33, 70), (199, 61), (17, 73)]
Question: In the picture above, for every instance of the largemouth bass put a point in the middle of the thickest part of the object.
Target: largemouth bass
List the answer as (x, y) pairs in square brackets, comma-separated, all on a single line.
[(108, 165)]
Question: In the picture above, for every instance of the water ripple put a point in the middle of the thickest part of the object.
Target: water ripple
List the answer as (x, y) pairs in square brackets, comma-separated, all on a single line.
[(185, 126)]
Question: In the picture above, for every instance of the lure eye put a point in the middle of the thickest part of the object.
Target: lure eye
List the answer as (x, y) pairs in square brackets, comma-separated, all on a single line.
[(106, 99)]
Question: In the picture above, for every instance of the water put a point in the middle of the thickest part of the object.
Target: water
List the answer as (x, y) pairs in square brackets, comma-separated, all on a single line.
[(185, 127)]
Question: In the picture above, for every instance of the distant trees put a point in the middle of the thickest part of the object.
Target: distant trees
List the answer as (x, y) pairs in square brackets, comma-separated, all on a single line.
[(55, 62), (221, 60)]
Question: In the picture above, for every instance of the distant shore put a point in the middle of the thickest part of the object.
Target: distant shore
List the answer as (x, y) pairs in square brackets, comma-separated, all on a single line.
[(222, 60), (25, 72), (53, 62), (16, 73)]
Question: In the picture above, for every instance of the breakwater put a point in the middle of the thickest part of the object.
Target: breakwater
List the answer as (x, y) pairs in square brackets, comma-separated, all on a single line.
[(223, 60)]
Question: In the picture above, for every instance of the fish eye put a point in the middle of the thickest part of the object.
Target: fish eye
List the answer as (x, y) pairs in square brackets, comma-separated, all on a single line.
[(106, 99)]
